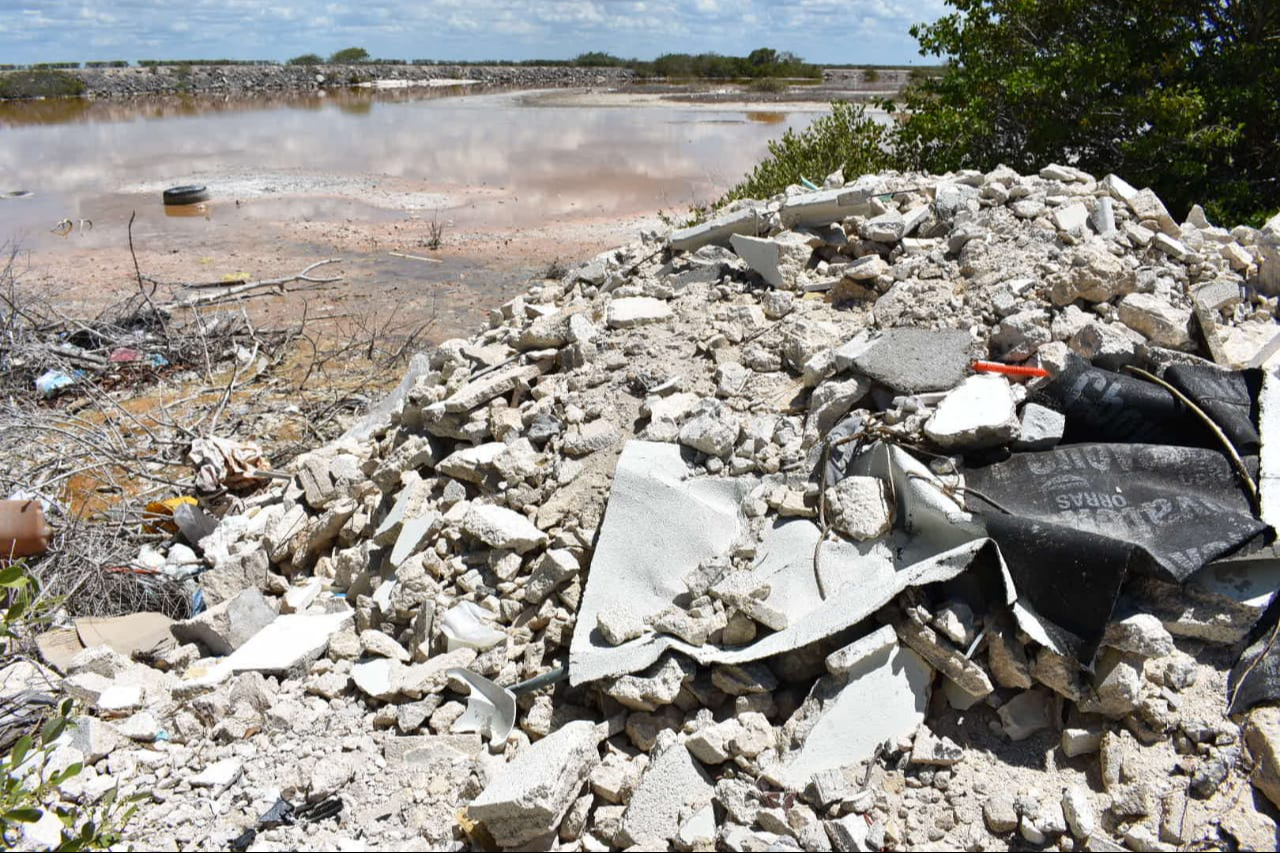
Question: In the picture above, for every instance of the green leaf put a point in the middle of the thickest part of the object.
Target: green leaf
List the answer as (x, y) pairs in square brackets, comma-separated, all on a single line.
[(13, 576), (20, 750), (66, 773), (23, 815), (16, 610), (52, 730)]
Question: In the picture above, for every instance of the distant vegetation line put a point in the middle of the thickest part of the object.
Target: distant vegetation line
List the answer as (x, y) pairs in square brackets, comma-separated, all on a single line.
[(761, 63)]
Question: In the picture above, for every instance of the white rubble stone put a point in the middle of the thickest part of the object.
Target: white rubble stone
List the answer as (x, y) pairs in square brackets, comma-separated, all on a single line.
[(289, 643), (714, 433), (1070, 217), (928, 748), (1078, 812), (300, 596), (528, 798), (1175, 249), (632, 311), (881, 695), (980, 413), (120, 700), (888, 227), (43, 834), (1140, 634), (499, 527), (718, 230), (219, 776), (471, 463), (618, 624), (1080, 742), (1103, 218), (859, 507), (866, 268), (1120, 189), (1146, 205), (1096, 275), (379, 644)]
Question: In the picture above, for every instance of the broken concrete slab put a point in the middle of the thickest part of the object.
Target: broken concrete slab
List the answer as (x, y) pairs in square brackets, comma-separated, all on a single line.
[(908, 360), (632, 311), (1041, 428), (881, 695), (290, 643), (486, 388), (673, 782), (127, 635), (778, 260), (718, 230), (528, 798), (228, 626), (820, 208)]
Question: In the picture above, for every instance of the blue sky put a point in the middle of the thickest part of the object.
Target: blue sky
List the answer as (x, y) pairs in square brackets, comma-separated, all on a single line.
[(836, 31)]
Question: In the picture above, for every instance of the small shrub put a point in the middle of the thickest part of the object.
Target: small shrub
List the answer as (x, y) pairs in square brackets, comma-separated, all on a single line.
[(40, 84), (771, 85), (26, 783), (306, 59), (847, 139)]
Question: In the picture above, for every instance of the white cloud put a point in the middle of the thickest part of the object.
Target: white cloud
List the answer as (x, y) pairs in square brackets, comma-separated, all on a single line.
[(818, 30)]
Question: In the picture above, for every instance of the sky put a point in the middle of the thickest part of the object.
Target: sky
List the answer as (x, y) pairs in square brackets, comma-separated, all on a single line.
[(821, 31)]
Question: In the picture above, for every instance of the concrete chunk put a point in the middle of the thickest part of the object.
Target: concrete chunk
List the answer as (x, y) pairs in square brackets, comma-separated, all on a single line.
[(636, 311), (486, 388), (529, 797), (499, 527), (822, 207), (980, 413), (881, 696), (673, 781), (719, 230), (909, 361), (778, 259), (228, 626), (290, 643)]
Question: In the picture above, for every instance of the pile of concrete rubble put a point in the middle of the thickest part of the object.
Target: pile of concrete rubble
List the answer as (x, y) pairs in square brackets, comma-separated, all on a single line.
[(626, 477)]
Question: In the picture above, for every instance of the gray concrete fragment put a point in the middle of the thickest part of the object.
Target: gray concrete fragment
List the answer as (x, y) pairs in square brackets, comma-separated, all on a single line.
[(1042, 428), (778, 260), (528, 797), (718, 230), (499, 527), (673, 781), (228, 626), (819, 208), (881, 696), (486, 388), (909, 361)]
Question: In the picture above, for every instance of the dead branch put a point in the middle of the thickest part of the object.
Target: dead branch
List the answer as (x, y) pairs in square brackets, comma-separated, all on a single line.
[(228, 290)]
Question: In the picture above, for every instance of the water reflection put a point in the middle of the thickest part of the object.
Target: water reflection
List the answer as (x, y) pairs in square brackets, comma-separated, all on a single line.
[(481, 160), (148, 107)]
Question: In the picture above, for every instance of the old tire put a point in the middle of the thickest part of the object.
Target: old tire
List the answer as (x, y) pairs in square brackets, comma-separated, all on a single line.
[(190, 194)]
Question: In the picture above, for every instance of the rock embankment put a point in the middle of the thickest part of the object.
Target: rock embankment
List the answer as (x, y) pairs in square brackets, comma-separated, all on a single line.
[(198, 79)]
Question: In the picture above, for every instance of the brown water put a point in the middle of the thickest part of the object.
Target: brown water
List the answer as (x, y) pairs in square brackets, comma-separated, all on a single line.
[(357, 173)]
